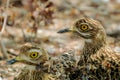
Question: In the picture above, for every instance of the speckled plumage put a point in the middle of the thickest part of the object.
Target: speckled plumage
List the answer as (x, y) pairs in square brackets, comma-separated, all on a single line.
[(97, 60), (44, 67), (63, 64), (27, 74), (37, 68)]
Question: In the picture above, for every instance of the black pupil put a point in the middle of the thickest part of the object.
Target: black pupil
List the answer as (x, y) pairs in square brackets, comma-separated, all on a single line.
[(84, 26), (33, 54)]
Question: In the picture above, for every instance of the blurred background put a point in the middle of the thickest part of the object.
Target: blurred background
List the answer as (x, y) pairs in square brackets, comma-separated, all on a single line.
[(38, 21)]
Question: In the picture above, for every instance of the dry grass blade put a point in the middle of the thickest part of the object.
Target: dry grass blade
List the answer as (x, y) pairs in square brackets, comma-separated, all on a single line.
[(2, 30)]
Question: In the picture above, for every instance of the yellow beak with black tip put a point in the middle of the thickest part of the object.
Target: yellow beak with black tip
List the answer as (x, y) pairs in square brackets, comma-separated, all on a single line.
[(17, 59)]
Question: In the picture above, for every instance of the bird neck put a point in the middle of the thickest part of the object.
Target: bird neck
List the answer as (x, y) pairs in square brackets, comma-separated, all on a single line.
[(93, 45)]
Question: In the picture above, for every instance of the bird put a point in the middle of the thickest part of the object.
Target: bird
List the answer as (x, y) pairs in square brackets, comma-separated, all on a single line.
[(41, 66), (63, 64), (97, 60), (37, 63)]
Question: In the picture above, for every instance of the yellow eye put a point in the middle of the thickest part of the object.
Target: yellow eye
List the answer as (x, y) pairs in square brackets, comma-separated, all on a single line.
[(34, 55), (83, 27)]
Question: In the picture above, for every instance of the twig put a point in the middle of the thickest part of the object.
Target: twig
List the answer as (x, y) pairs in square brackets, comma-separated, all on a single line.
[(9, 52), (3, 48), (5, 18), (2, 30), (24, 36)]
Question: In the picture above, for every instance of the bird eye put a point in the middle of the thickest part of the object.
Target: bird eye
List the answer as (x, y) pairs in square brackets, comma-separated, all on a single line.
[(34, 55), (84, 27)]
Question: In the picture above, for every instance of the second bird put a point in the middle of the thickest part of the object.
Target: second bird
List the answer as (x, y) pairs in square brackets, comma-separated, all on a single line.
[(97, 60)]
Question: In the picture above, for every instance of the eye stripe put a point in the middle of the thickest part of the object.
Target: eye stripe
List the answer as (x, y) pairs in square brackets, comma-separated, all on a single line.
[(34, 50)]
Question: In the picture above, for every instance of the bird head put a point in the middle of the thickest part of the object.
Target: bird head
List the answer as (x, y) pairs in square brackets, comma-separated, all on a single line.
[(30, 54), (87, 28)]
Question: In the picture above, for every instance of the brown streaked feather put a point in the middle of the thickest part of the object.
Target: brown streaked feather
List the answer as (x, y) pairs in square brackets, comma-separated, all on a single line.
[(27, 74), (97, 60), (36, 69)]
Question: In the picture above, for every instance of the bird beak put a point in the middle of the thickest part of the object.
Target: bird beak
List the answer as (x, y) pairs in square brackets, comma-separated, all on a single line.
[(17, 59), (12, 61), (65, 30)]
